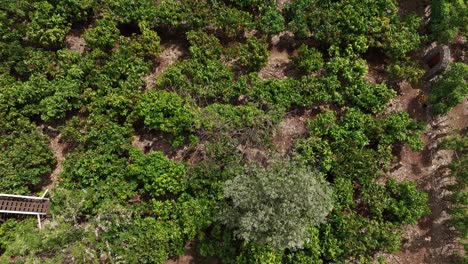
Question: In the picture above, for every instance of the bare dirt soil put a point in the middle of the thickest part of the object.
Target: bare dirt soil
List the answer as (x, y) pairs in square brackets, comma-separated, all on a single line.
[(432, 240), (282, 3), (420, 8), (171, 53), (75, 43), (59, 149), (279, 63), (59, 153), (190, 257), (147, 142), (289, 129)]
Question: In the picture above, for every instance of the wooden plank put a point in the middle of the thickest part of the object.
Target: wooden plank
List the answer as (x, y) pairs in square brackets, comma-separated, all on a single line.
[(33, 206)]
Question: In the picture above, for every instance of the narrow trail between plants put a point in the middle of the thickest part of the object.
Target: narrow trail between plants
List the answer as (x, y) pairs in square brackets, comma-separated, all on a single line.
[(170, 54), (279, 64), (432, 240), (58, 149)]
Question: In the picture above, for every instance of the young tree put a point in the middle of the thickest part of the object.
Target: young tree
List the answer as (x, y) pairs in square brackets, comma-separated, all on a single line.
[(275, 205), (450, 89), (308, 59)]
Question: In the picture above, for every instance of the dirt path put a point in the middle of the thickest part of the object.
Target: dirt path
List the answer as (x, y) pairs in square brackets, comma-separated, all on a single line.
[(279, 64), (59, 152), (432, 240), (170, 54)]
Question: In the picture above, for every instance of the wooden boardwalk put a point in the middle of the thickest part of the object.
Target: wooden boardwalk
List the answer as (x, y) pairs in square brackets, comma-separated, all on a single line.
[(33, 207), (20, 206)]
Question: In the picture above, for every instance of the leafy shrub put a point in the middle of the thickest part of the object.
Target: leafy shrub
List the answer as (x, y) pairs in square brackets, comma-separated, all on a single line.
[(47, 27), (271, 22), (145, 44), (448, 18), (167, 112), (281, 95), (350, 235), (26, 241), (406, 70), (91, 168), (252, 253), (160, 241), (38, 96), (315, 152), (450, 89), (97, 133), (218, 117), (406, 204), (103, 35), (254, 54), (30, 62), (359, 23), (204, 47), (158, 175), (348, 66), (273, 205), (400, 127), (205, 82), (227, 126), (232, 22), (459, 197), (308, 59), (25, 158), (369, 97)]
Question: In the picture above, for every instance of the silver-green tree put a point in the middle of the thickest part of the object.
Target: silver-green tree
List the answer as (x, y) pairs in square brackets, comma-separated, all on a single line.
[(276, 204)]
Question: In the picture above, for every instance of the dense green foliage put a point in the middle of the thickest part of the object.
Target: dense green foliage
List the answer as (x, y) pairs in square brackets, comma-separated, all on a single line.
[(448, 18), (24, 156), (308, 60), (362, 24), (450, 89), (212, 175), (275, 206)]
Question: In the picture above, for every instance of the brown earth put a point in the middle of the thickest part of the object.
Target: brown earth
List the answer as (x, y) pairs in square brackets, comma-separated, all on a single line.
[(75, 43), (432, 240), (191, 257), (171, 53), (289, 129), (59, 152), (279, 62)]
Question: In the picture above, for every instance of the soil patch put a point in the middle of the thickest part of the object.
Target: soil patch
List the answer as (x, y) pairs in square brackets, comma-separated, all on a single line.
[(282, 3), (59, 150), (376, 68), (420, 8), (279, 63), (190, 256), (148, 142), (75, 43), (289, 129), (171, 53)]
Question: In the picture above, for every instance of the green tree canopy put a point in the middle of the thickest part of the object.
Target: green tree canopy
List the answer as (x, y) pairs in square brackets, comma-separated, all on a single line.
[(450, 89), (276, 204)]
